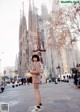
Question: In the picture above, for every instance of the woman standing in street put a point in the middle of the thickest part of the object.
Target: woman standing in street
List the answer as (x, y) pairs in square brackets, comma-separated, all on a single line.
[(35, 71)]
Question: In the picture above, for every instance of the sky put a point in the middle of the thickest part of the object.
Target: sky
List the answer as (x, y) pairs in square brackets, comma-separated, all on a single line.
[(9, 28)]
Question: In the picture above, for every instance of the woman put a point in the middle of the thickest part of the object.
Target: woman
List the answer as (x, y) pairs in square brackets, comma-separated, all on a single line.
[(35, 71)]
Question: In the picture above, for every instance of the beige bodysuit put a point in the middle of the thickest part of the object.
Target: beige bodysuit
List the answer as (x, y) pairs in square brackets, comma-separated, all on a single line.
[(36, 77)]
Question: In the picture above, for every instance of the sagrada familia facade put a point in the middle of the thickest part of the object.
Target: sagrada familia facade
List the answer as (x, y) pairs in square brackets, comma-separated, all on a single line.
[(34, 40)]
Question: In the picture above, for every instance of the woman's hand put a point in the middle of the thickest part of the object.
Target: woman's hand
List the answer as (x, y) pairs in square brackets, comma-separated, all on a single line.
[(31, 71), (34, 72)]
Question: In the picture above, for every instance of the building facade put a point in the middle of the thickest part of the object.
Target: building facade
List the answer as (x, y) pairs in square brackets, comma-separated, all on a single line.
[(41, 36), (23, 46)]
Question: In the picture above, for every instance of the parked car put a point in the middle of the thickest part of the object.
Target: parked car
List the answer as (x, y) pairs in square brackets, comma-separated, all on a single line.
[(7, 79), (19, 79)]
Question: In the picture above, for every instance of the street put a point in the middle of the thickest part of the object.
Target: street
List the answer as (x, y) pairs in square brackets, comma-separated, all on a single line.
[(61, 97)]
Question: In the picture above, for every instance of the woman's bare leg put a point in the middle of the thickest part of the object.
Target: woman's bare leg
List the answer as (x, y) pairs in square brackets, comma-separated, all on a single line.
[(37, 94)]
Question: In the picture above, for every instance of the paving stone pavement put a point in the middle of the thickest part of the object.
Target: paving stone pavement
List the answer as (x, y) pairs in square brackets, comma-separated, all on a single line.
[(61, 97)]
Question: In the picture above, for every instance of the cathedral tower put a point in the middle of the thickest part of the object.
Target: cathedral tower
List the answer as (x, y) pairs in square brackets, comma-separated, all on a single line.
[(22, 64)]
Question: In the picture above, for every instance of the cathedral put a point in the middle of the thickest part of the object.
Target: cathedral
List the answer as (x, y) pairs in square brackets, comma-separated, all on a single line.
[(36, 39), (31, 39)]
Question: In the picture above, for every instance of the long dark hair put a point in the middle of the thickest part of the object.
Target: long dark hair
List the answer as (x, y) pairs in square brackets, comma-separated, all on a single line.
[(35, 56)]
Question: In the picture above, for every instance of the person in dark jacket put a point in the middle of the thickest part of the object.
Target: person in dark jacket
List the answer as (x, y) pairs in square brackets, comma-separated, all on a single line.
[(75, 76), (22, 80)]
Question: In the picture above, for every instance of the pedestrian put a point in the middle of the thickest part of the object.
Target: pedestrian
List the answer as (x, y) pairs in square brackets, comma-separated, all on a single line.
[(78, 69), (22, 80), (75, 76), (28, 80), (78, 83), (35, 71), (56, 81)]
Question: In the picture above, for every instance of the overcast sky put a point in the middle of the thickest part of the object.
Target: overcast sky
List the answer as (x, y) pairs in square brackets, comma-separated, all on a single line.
[(9, 28)]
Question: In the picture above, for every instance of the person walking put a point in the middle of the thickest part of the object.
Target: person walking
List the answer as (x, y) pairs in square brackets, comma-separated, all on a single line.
[(75, 76), (35, 71)]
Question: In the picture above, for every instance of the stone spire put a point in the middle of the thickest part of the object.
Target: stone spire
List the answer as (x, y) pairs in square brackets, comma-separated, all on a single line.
[(30, 8), (44, 11), (55, 5), (23, 8), (22, 37), (56, 1), (30, 17), (33, 6), (24, 25)]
